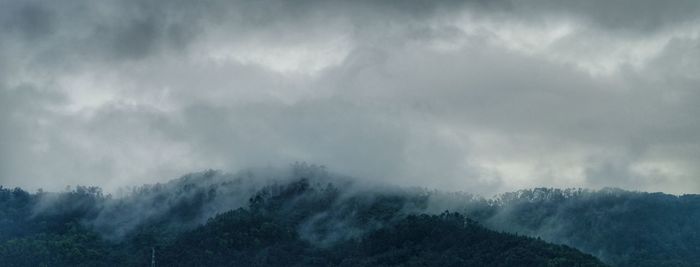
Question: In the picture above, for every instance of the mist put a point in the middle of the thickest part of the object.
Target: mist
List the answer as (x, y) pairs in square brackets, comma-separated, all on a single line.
[(325, 210)]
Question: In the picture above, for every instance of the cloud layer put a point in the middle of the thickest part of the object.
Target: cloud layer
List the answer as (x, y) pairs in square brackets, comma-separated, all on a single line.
[(480, 96)]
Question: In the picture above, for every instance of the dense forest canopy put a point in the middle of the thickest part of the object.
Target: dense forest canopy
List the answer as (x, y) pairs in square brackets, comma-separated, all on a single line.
[(310, 217)]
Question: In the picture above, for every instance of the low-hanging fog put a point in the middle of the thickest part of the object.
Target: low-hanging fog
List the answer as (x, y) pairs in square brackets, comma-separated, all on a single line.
[(476, 96)]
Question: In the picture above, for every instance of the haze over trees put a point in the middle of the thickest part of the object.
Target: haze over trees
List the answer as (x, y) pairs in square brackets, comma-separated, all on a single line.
[(309, 217)]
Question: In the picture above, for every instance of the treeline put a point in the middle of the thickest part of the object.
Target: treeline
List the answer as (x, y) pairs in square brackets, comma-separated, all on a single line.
[(620, 227), (307, 216), (293, 224)]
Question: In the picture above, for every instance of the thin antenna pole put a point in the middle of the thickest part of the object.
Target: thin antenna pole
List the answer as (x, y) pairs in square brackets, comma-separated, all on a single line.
[(153, 257)]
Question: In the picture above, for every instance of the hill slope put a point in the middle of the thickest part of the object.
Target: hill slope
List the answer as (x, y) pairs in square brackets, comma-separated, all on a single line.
[(294, 223), (245, 238), (313, 213)]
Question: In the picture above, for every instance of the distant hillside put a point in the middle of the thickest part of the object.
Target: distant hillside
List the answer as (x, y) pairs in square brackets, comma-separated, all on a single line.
[(622, 228), (307, 216)]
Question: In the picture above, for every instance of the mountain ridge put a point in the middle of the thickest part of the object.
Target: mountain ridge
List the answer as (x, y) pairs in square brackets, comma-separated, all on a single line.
[(326, 209)]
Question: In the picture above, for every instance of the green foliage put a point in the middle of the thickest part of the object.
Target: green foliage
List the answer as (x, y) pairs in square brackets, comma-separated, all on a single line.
[(623, 228), (76, 247), (205, 220), (245, 238), (291, 225)]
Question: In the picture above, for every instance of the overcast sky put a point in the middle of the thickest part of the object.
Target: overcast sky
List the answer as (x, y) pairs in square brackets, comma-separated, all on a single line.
[(480, 96)]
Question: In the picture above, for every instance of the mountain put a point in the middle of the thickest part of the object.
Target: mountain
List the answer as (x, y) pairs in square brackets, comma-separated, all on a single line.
[(622, 228), (245, 238), (292, 224), (309, 217)]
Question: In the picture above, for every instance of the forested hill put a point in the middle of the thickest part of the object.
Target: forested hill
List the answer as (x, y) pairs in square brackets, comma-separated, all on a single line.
[(298, 226), (293, 224), (620, 227), (308, 217)]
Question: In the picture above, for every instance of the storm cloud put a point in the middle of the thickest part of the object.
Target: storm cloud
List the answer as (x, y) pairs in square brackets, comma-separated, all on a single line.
[(479, 96)]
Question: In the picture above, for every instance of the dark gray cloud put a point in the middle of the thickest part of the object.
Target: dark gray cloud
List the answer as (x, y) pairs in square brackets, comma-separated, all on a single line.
[(481, 96)]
